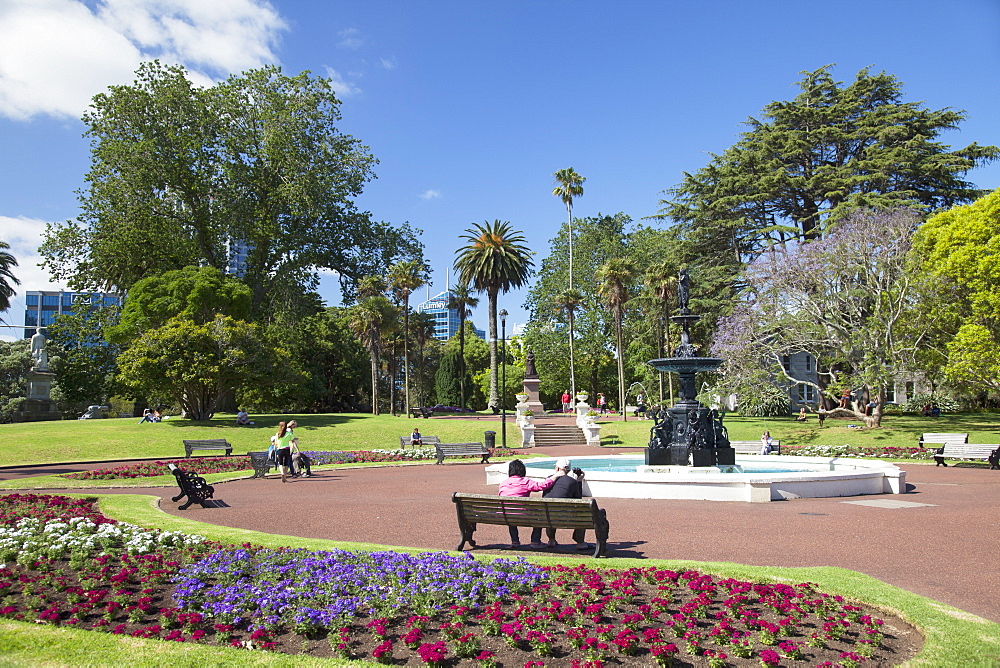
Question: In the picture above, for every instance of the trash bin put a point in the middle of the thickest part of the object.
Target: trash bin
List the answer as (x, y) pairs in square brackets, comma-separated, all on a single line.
[(491, 439)]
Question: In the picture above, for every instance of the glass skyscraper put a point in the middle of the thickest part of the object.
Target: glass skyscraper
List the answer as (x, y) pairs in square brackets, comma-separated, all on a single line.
[(446, 321)]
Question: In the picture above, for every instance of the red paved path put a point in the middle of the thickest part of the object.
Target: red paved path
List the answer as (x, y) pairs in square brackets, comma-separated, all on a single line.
[(946, 551)]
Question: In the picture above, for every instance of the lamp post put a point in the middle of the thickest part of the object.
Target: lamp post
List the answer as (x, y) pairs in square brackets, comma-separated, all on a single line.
[(503, 377)]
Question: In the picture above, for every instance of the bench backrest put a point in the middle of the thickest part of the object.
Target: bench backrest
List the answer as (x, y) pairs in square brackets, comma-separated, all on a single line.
[(754, 446), (211, 442), (459, 447), (944, 439), (970, 450), (428, 440), (526, 511)]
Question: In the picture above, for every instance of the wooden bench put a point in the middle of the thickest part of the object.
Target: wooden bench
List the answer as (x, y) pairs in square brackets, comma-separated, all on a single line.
[(192, 486), (942, 439), (753, 447), (417, 412), (963, 451), (461, 450), (209, 444), (428, 440), (520, 511)]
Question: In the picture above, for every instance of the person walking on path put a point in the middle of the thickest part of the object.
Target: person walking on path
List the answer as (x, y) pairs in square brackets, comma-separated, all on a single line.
[(518, 485), (566, 401), (602, 403), (284, 449), (565, 485)]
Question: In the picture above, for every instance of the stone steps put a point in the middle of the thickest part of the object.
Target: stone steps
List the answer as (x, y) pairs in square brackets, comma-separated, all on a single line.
[(550, 434)]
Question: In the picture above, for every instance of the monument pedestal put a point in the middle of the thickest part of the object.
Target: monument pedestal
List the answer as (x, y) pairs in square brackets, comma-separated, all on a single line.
[(532, 402), (38, 406)]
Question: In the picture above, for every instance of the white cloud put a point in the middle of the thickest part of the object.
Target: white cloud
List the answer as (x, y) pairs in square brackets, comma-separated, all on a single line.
[(55, 55), (429, 195), (24, 236), (350, 38), (340, 85), (388, 63)]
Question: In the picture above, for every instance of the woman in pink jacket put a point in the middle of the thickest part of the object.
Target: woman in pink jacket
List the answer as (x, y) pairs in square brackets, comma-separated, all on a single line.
[(517, 485)]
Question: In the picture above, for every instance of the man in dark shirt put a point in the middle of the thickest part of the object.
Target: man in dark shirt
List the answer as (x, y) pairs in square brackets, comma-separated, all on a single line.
[(567, 485)]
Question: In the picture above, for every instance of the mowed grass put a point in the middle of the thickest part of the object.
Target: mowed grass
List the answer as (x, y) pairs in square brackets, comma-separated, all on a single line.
[(897, 430), (125, 438)]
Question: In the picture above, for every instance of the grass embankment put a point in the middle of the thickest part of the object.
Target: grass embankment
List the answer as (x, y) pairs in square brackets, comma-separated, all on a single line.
[(953, 637), (125, 438), (897, 430)]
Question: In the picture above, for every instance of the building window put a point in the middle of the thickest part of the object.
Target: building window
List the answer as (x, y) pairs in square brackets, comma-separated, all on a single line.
[(31, 300), (909, 390), (807, 393), (809, 363), (890, 393), (50, 300), (786, 363)]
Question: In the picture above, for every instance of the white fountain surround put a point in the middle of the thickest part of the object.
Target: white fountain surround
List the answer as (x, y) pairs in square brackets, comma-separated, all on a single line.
[(822, 477)]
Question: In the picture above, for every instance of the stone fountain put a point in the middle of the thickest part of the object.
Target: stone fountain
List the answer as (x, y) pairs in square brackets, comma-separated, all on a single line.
[(688, 433)]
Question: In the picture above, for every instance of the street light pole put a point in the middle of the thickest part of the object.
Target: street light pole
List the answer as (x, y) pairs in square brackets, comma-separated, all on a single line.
[(503, 377)]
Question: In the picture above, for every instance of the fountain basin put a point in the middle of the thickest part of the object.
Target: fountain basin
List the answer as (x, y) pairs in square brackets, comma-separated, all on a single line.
[(767, 478)]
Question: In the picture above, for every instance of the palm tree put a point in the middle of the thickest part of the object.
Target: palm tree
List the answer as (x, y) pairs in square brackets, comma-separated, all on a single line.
[(569, 301), (404, 278), (613, 279), (494, 260), (7, 278), (461, 299), (569, 185), (661, 278), (370, 319)]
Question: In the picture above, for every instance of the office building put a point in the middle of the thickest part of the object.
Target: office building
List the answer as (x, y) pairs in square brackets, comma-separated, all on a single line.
[(446, 320), (43, 307)]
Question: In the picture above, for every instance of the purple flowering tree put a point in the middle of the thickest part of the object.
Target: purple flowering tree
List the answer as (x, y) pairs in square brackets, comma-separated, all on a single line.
[(845, 299)]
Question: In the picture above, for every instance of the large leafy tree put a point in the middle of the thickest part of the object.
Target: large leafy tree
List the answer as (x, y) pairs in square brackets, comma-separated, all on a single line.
[(194, 293), (614, 278), (183, 175), (847, 300), (462, 300), (959, 247), (87, 364), (494, 260), (15, 361), (196, 364), (7, 278), (808, 162)]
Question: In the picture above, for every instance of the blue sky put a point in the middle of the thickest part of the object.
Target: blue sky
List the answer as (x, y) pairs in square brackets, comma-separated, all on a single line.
[(471, 106)]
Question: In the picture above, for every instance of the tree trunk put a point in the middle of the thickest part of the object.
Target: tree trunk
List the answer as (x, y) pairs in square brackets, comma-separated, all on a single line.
[(621, 368), (406, 352), (461, 359), (494, 399), (572, 373)]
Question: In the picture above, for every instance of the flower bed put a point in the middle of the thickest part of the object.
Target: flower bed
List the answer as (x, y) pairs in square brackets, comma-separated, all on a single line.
[(874, 452), (431, 609), (203, 465)]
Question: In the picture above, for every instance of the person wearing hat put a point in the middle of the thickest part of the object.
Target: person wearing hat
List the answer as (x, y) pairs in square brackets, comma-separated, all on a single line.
[(566, 485)]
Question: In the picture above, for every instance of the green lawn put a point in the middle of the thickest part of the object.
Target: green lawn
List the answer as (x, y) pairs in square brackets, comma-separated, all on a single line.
[(953, 637), (125, 438), (896, 430)]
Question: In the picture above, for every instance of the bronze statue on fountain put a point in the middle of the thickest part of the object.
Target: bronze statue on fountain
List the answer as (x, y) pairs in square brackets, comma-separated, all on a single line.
[(688, 434)]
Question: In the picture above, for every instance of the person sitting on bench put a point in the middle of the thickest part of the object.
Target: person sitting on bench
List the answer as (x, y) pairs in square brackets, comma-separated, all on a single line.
[(565, 485), (518, 485), (416, 438), (300, 460)]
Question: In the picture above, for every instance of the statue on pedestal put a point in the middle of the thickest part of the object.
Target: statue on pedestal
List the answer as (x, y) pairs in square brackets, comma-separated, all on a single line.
[(38, 352)]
